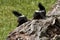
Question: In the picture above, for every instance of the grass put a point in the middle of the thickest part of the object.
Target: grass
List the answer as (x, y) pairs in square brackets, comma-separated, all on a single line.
[(8, 21)]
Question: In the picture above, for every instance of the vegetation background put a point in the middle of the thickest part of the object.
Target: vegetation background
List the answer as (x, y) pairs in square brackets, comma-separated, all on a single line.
[(8, 21)]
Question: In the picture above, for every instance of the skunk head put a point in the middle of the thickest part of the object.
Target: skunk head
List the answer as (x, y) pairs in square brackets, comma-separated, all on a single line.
[(22, 19), (39, 15)]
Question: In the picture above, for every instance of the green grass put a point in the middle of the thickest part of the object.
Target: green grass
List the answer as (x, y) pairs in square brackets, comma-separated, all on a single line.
[(8, 21)]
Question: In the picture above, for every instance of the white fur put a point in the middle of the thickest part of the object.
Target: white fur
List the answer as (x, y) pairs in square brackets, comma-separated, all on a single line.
[(39, 11), (22, 16)]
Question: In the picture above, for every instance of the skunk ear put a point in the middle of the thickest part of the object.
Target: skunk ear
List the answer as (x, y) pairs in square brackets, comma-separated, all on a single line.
[(41, 7), (17, 14)]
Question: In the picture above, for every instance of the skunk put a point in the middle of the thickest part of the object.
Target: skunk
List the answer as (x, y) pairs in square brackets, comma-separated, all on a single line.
[(41, 13), (21, 18)]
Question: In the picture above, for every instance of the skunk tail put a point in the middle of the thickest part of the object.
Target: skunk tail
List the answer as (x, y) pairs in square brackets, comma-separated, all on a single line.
[(17, 14)]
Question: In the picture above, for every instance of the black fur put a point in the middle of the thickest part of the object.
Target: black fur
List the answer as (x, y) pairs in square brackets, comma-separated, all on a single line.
[(21, 19), (17, 14), (41, 14), (57, 23), (41, 7)]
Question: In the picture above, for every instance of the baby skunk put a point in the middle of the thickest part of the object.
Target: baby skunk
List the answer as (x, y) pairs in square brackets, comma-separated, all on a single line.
[(41, 13), (21, 18)]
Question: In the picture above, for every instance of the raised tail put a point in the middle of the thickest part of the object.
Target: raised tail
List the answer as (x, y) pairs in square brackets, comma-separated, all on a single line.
[(17, 14), (41, 7)]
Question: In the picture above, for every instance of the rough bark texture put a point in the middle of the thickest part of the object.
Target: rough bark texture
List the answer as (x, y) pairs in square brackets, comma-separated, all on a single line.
[(55, 9), (42, 29)]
